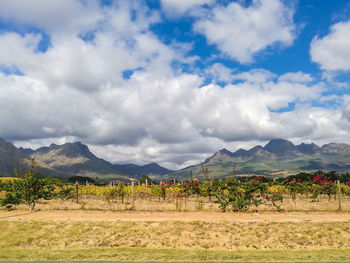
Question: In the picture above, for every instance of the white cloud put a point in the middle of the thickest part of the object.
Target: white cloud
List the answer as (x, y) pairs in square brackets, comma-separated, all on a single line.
[(153, 118), (121, 41), (175, 7), (332, 52), (54, 16), (346, 110), (242, 32), (219, 73), (296, 77), (76, 91)]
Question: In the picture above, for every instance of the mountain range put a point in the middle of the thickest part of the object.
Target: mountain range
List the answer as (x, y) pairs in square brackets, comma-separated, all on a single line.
[(278, 157), (71, 159)]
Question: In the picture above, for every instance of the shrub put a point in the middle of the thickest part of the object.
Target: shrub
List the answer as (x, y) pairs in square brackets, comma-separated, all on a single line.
[(28, 190)]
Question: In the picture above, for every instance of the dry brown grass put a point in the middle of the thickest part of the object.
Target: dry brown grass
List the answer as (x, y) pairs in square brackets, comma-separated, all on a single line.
[(175, 234)]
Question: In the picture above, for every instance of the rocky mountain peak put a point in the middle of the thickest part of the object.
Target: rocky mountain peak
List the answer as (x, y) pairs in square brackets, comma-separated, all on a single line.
[(71, 150), (224, 151), (308, 148), (341, 148), (280, 147)]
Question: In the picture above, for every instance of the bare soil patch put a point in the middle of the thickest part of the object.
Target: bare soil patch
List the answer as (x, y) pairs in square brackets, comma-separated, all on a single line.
[(136, 216)]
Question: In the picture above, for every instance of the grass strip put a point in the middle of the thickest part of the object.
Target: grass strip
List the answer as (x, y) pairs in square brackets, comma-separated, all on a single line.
[(178, 234), (174, 255)]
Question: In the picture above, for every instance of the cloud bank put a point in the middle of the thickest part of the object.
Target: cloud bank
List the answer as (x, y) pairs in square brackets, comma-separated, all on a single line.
[(105, 78)]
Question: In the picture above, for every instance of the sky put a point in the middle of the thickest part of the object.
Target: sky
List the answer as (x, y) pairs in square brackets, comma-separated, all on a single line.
[(173, 81)]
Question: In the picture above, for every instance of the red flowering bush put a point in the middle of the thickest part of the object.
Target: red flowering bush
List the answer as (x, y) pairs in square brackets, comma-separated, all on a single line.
[(192, 187), (327, 187), (317, 178), (167, 184)]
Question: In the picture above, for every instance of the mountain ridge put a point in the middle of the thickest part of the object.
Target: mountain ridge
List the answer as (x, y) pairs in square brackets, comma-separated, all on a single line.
[(278, 157), (84, 162)]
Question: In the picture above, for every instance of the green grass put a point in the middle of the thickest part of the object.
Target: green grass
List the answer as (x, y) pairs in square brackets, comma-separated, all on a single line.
[(166, 255)]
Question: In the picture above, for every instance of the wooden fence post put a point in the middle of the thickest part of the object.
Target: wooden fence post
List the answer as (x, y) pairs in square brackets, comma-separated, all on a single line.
[(338, 193), (146, 182), (77, 191), (132, 195)]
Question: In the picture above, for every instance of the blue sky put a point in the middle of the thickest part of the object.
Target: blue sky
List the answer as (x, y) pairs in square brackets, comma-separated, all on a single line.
[(173, 81)]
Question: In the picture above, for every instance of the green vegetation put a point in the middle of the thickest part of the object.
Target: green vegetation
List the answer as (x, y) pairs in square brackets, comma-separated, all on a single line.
[(232, 193), (175, 255), (28, 190)]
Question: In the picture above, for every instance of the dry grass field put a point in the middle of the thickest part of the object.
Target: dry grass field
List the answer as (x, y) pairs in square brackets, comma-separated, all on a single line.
[(175, 234), (98, 230), (96, 238)]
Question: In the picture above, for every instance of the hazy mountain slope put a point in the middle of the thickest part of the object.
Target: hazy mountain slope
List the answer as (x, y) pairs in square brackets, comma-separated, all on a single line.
[(11, 156)]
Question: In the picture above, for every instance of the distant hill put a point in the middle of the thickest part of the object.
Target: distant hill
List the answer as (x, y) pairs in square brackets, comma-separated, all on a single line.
[(73, 159), (69, 160), (76, 159), (11, 157), (278, 157)]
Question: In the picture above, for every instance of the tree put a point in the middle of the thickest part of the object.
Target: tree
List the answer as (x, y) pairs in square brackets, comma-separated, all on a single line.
[(28, 189), (143, 179)]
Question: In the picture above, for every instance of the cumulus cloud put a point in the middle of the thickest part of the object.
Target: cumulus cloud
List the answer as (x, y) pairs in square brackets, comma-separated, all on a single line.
[(219, 73), (164, 111), (346, 110), (296, 77), (332, 51), (241, 32), (121, 41), (59, 17), (77, 89), (176, 7)]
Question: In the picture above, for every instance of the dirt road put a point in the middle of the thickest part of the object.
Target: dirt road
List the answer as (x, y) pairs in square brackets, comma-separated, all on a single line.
[(174, 216)]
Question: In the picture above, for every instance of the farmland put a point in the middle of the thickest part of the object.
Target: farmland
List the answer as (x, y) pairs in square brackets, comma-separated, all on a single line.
[(293, 219), (174, 236)]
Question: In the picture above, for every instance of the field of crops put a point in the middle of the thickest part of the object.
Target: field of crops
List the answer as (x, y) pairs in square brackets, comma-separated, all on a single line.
[(147, 221), (301, 192)]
